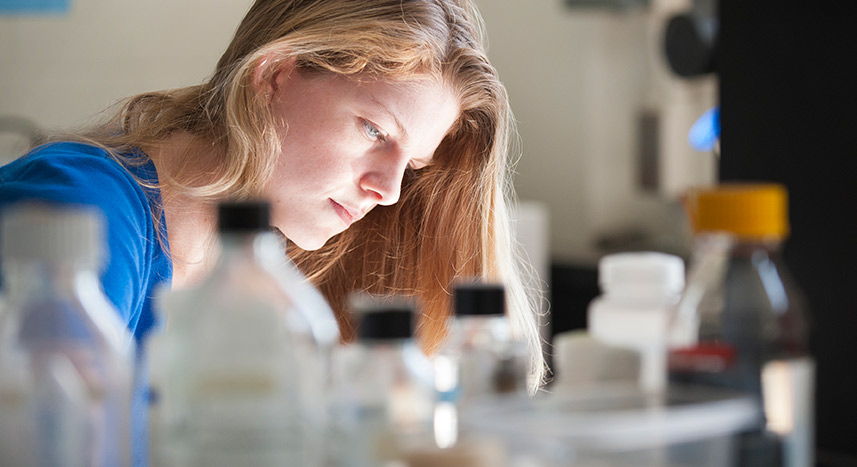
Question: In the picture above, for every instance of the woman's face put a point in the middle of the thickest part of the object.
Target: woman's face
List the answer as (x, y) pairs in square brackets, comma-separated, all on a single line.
[(346, 146)]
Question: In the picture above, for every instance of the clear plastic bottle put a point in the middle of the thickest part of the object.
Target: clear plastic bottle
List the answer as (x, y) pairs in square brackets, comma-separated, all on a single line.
[(742, 320), (66, 359), (481, 357), (237, 376), (384, 387), (639, 290)]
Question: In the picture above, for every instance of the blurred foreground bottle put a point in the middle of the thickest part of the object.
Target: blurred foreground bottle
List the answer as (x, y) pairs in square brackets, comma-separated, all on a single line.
[(479, 360), (238, 375), (65, 356), (485, 358), (741, 322), (384, 387)]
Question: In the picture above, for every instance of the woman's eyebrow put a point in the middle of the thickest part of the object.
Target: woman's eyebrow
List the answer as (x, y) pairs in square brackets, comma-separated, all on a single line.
[(399, 126)]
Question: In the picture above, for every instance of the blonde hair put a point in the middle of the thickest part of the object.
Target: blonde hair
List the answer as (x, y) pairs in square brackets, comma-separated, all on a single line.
[(452, 219)]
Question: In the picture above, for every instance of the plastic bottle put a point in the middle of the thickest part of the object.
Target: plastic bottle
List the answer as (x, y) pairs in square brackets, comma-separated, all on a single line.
[(639, 290), (749, 319), (384, 387), (66, 359), (479, 361), (481, 357), (237, 376)]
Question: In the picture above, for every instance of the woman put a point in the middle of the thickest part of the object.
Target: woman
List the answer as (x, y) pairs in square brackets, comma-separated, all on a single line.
[(377, 128)]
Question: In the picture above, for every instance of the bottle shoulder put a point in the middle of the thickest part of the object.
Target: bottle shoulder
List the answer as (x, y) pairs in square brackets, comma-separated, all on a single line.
[(70, 312), (749, 298)]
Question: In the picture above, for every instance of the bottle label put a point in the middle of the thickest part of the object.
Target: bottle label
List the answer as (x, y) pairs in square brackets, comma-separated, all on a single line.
[(787, 394), (784, 388), (704, 358)]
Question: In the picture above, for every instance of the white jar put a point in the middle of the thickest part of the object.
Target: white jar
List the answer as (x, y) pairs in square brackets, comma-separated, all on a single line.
[(639, 290)]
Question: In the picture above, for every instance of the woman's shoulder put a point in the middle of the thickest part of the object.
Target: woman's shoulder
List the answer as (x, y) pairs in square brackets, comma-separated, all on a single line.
[(71, 157), (67, 148), (68, 169), (78, 174), (64, 162)]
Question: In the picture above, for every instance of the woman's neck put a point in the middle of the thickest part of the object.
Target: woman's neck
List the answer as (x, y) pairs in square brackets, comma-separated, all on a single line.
[(191, 221)]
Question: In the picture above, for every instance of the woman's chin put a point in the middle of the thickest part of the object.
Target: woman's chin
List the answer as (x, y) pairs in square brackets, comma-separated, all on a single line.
[(308, 243)]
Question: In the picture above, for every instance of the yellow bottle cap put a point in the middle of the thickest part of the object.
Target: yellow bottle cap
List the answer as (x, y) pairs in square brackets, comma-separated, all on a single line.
[(747, 210)]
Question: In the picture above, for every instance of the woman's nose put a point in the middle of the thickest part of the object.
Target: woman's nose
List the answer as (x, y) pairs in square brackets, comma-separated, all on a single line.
[(383, 179)]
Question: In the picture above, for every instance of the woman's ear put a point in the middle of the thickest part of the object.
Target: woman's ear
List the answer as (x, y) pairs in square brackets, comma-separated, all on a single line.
[(270, 73)]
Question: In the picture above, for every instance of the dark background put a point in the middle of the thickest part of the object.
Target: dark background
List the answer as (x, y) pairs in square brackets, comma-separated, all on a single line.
[(788, 97)]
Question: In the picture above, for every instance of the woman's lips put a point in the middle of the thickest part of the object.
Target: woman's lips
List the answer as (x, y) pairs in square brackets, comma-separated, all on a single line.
[(347, 215)]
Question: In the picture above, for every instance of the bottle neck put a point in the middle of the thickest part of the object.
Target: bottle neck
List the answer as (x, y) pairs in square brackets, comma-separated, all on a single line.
[(741, 246), (480, 330), (238, 241), (482, 320), (386, 345), (260, 246), (749, 247)]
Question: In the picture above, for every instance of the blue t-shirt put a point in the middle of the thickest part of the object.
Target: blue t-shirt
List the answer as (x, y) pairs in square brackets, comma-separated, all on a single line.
[(137, 265)]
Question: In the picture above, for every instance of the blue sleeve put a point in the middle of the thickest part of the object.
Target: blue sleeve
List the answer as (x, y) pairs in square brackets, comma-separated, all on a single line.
[(85, 175)]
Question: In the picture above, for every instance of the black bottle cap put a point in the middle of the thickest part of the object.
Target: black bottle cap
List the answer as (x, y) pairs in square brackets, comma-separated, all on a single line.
[(382, 318), (479, 299), (243, 216)]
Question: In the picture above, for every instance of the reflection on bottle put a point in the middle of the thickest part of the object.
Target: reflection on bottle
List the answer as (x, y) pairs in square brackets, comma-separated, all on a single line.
[(445, 424)]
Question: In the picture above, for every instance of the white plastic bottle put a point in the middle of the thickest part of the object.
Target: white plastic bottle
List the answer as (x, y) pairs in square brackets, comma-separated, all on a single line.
[(65, 356), (237, 376), (384, 387), (639, 291)]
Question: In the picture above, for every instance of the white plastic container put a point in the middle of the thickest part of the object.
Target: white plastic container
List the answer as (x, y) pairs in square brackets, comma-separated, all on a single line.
[(639, 291), (237, 375), (580, 361), (66, 359)]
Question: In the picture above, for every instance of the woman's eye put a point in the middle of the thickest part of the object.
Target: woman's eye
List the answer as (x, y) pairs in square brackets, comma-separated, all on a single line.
[(372, 131)]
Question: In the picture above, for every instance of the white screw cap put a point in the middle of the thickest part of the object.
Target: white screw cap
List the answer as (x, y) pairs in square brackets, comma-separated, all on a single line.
[(651, 271), (52, 233)]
